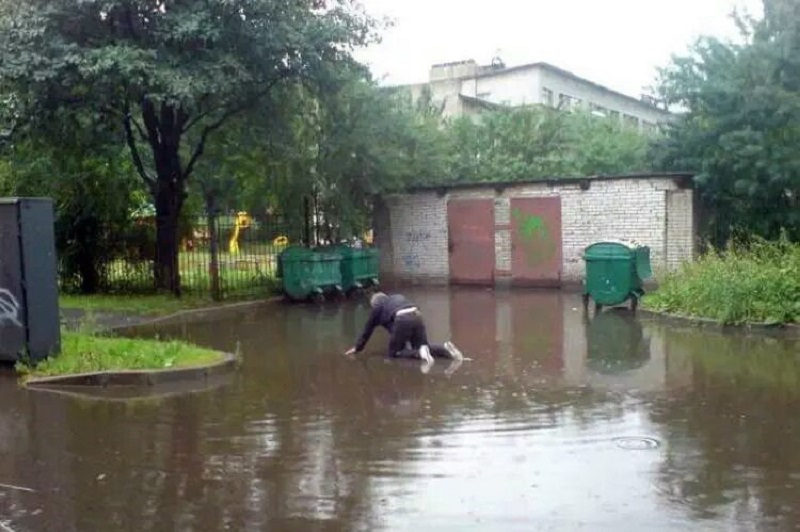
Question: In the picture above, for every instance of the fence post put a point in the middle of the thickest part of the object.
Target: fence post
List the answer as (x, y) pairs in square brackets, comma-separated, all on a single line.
[(307, 221), (216, 289)]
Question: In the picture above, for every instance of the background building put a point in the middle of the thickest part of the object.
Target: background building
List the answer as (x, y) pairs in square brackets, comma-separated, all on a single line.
[(465, 88)]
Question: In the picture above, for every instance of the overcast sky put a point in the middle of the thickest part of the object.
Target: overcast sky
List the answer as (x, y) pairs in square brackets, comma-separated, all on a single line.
[(618, 43)]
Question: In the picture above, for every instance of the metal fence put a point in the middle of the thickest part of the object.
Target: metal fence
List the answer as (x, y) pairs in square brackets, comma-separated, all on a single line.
[(241, 260)]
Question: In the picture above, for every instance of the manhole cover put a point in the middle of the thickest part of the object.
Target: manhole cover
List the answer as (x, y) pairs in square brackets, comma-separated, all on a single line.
[(636, 443)]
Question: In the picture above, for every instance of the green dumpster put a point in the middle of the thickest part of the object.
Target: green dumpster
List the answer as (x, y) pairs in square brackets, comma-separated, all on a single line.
[(359, 268), (310, 273), (615, 272)]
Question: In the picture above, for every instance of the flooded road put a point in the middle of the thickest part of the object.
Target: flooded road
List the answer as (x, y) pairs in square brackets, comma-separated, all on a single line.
[(560, 422)]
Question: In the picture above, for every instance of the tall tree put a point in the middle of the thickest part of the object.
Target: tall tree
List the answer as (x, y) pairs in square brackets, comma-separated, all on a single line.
[(741, 126), (164, 69)]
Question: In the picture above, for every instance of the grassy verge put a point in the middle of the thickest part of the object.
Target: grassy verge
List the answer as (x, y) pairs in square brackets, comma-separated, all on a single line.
[(758, 283), (83, 353), (139, 305)]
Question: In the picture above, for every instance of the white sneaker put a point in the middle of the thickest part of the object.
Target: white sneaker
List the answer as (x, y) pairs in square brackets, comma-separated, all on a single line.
[(453, 350), (425, 354)]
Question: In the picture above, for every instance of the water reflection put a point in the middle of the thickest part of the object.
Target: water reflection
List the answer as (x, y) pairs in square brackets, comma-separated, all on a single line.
[(523, 437), (734, 432), (616, 343)]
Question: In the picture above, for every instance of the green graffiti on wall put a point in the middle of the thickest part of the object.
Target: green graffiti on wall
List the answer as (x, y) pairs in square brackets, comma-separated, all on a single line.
[(536, 239)]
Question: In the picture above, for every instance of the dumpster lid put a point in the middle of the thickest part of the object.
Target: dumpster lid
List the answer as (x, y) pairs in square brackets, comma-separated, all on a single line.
[(630, 244), (612, 247), (296, 252)]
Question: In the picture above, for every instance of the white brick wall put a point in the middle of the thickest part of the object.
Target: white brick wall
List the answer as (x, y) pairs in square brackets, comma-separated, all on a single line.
[(630, 209), (418, 237), (625, 209), (680, 228)]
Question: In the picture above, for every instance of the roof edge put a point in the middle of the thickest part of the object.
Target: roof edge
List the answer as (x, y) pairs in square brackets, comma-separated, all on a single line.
[(685, 179)]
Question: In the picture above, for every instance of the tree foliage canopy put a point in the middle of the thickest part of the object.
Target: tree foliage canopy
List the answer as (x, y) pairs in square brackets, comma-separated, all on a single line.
[(741, 126), (540, 142), (164, 70)]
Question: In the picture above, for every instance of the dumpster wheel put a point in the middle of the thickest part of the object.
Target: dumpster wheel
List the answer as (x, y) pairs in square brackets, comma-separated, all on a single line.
[(338, 293), (357, 292)]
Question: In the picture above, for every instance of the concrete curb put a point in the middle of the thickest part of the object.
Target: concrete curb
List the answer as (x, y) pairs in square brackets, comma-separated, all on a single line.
[(789, 329), (138, 378), (137, 394)]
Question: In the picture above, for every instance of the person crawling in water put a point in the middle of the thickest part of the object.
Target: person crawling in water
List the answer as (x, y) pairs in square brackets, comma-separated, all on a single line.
[(408, 337)]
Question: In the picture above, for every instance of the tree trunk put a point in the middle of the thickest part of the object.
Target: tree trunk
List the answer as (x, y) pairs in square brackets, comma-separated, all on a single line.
[(168, 207), (87, 232), (90, 278), (163, 127)]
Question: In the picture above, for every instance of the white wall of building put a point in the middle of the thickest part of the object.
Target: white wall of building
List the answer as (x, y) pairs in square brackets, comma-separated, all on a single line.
[(537, 83), (607, 100), (513, 88)]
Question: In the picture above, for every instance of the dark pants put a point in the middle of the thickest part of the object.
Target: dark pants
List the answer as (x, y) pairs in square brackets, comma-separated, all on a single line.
[(410, 329)]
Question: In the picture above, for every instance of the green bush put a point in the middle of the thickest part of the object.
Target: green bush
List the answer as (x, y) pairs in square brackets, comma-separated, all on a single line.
[(753, 282)]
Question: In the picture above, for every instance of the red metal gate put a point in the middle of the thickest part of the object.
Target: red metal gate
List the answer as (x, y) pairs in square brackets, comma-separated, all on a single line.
[(471, 241), (536, 241)]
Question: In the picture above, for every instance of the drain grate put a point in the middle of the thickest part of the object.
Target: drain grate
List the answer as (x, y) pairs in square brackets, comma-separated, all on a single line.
[(636, 443)]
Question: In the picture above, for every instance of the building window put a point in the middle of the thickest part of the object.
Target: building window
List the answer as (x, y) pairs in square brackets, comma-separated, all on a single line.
[(598, 110), (631, 121), (614, 115), (649, 127), (567, 102), (547, 97)]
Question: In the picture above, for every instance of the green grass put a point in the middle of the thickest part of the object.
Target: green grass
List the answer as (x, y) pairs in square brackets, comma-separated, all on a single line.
[(758, 283), (82, 353), (155, 305)]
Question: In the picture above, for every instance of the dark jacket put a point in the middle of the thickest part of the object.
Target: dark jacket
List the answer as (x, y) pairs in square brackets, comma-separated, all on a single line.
[(382, 315)]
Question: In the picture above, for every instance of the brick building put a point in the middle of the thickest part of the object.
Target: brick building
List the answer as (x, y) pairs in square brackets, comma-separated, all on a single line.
[(531, 233)]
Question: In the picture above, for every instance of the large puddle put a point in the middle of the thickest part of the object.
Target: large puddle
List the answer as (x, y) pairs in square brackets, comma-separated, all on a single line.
[(561, 422)]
